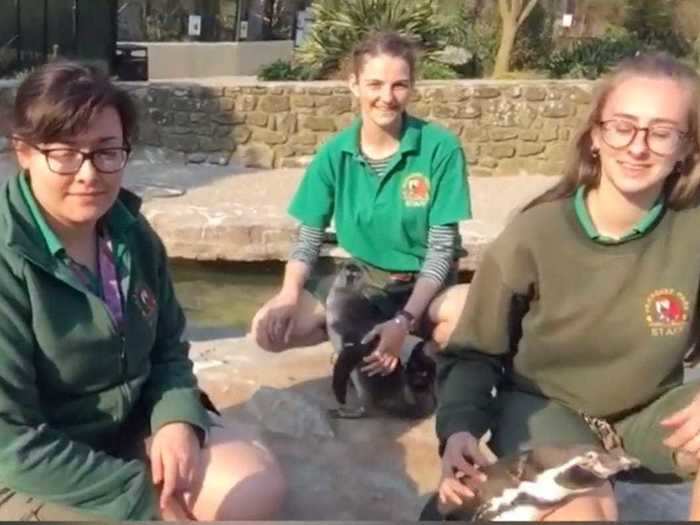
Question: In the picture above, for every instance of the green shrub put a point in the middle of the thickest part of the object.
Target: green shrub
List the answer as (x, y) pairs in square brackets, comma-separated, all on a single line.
[(592, 57), (340, 24), (651, 21), (430, 70), (285, 70)]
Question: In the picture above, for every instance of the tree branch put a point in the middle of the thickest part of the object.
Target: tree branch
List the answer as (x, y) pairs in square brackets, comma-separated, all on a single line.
[(526, 12)]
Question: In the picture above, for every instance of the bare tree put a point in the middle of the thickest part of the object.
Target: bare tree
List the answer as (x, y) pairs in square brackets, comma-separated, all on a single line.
[(513, 14)]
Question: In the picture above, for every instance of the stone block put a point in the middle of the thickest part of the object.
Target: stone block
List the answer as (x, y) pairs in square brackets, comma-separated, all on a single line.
[(486, 92), (500, 151), (225, 104), (241, 134), (557, 152), (514, 92), (198, 118), (535, 93), (481, 172), (549, 133), (528, 135), (488, 162), (183, 104), (304, 149), (255, 155), (337, 104), (304, 138), (257, 118), (286, 123), (269, 137), (160, 117), (302, 101), (320, 91), (528, 149), (445, 110), (475, 134), (420, 110), (196, 158), (501, 134), (314, 123), (274, 104), (580, 96), (220, 158), (469, 110), (525, 116), (184, 143), (557, 109), (246, 103), (181, 118), (283, 151)]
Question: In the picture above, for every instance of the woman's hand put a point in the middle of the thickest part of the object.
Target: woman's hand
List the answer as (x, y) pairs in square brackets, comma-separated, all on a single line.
[(685, 432), (461, 460), (385, 357), (175, 456), (274, 328)]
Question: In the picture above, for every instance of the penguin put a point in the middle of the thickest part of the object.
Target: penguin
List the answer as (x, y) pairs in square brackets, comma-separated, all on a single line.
[(407, 392), (521, 486)]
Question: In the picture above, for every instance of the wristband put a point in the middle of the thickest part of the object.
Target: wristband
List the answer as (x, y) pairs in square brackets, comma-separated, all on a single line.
[(408, 317)]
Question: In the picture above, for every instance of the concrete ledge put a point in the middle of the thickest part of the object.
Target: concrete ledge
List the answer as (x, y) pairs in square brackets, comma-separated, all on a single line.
[(168, 60), (242, 217)]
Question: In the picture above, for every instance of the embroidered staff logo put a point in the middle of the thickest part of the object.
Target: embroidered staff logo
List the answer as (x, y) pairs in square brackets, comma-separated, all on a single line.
[(146, 301), (416, 190), (666, 312)]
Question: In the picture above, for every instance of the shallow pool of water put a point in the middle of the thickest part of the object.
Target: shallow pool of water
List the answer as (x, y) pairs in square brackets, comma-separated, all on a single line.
[(220, 299)]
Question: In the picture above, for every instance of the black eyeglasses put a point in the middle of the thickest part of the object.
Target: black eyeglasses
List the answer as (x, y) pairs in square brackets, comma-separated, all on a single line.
[(659, 138), (67, 161)]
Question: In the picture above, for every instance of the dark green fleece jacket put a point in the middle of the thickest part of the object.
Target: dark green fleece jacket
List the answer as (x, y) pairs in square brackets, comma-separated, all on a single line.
[(69, 378), (602, 328)]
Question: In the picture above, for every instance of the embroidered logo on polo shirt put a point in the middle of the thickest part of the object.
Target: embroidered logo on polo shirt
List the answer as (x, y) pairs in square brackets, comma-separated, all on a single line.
[(146, 301), (666, 312), (416, 190)]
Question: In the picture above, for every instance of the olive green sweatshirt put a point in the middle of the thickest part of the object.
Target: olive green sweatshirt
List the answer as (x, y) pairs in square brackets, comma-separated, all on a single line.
[(600, 327)]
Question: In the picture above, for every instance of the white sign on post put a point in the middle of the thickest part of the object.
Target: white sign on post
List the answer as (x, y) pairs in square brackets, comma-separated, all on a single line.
[(194, 27), (244, 30), (567, 20)]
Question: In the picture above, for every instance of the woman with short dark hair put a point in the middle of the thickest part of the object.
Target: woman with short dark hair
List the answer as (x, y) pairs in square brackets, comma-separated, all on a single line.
[(92, 358)]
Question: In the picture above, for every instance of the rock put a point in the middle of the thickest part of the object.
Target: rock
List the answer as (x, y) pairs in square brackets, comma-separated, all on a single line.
[(289, 413)]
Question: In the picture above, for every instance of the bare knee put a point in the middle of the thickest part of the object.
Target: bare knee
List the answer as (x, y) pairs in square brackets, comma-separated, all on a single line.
[(597, 505), (445, 311), (241, 480)]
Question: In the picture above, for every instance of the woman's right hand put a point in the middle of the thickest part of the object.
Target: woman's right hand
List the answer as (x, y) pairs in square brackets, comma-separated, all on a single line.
[(461, 462), (273, 329)]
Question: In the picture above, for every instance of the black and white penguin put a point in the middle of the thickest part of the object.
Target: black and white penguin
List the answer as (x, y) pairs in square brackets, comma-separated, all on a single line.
[(408, 391), (520, 487)]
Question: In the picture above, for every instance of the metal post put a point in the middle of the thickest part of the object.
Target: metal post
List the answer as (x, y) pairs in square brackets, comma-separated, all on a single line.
[(237, 28)]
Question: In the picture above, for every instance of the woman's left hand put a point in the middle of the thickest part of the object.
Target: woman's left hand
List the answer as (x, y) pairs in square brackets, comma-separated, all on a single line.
[(175, 456), (385, 357), (685, 427)]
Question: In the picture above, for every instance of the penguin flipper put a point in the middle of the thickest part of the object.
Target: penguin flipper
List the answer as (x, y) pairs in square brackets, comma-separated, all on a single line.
[(349, 358)]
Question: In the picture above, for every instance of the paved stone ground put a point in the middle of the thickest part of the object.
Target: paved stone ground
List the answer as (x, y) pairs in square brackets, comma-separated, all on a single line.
[(373, 469)]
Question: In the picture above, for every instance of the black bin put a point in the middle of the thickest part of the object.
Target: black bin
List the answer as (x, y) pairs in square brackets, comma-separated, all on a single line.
[(131, 62)]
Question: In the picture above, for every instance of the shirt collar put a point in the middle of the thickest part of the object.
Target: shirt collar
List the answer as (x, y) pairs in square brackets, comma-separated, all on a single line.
[(645, 224)]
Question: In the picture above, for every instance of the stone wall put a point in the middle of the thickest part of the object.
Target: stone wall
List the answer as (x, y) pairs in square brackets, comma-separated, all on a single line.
[(507, 128)]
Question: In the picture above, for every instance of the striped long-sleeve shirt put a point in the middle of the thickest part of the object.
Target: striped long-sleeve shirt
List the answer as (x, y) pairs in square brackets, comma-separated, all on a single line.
[(438, 258)]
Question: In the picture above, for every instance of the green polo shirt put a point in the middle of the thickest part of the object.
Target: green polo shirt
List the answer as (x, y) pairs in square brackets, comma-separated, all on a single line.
[(117, 220), (384, 221), (639, 229)]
